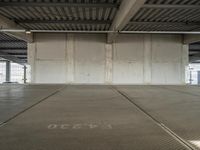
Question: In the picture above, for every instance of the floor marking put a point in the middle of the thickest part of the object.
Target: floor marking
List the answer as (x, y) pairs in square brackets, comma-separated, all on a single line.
[(157, 122), (80, 126), (28, 108)]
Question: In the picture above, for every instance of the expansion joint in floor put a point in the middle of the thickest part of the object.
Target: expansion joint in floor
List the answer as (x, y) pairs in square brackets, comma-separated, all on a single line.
[(23, 111), (157, 122)]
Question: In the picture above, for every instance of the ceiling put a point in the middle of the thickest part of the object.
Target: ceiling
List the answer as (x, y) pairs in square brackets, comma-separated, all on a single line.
[(13, 49), (155, 15), (167, 15), (61, 14), (194, 52), (93, 15)]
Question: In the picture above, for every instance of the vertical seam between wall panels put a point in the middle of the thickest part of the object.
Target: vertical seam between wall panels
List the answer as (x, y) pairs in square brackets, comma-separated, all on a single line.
[(66, 61), (105, 63), (35, 62), (73, 58), (151, 57), (144, 80)]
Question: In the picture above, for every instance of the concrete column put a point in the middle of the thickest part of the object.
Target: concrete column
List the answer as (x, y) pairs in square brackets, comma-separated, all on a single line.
[(185, 61), (25, 77), (32, 60), (147, 58), (8, 71), (198, 74), (70, 58), (109, 63)]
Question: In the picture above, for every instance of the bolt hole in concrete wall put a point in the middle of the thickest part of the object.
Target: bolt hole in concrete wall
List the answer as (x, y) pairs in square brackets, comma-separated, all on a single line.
[(88, 59)]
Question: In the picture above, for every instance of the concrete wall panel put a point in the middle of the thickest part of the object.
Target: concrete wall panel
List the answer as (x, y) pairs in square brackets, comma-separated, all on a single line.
[(50, 46), (128, 59), (166, 59), (89, 58), (166, 73), (166, 48), (50, 72)]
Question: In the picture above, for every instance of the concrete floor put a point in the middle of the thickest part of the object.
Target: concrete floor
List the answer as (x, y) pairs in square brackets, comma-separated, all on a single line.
[(81, 117)]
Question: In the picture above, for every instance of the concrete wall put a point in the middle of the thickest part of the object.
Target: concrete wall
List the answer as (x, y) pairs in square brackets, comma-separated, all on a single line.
[(132, 59)]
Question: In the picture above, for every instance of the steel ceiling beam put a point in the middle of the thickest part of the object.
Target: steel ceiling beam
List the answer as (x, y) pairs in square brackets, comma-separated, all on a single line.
[(13, 51), (171, 6), (166, 23), (12, 48), (194, 47), (18, 55), (57, 4), (64, 21), (6, 23), (11, 58), (188, 39), (127, 10), (12, 41), (194, 59), (12, 45)]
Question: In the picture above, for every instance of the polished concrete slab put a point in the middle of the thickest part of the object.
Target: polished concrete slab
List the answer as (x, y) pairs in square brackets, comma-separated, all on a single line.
[(177, 107), (90, 117), (17, 98)]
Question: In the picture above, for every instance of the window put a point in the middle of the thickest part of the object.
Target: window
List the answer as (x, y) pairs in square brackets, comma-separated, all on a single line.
[(2, 72), (16, 73)]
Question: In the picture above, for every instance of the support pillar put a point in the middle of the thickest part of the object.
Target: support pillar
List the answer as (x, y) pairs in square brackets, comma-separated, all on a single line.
[(147, 59), (185, 61), (198, 77), (109, 63), (70, 58), (25, 76), (8, 70)]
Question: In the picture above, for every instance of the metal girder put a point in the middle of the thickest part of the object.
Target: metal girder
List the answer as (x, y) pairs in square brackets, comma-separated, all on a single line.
[(171, 6), (22, 36), (11, 41), (6, 23), (11, 58), (12, 48), (194, 47), (195, 55), (8, 71), (188, 39), (191, 52), (127, 10), (194, 59), (18, 55), (57, 4), (166, 23), (65, 21), (12, 45)]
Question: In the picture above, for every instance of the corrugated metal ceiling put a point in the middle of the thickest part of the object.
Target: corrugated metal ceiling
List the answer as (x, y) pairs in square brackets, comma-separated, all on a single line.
[(167, 15), (61, 14), (155, 15), (11, 46)]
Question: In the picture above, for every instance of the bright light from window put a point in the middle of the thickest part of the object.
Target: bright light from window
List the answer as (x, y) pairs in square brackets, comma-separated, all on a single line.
[(196, 143), (16, 74), (2, 72)]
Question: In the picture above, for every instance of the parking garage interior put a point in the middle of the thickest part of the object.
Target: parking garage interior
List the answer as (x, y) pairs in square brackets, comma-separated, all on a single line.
[(99, 75)]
